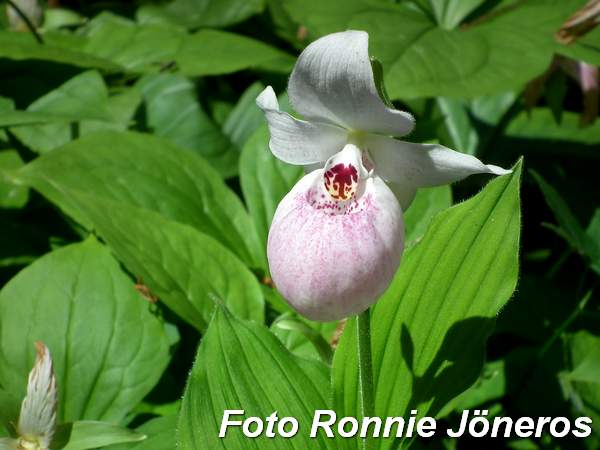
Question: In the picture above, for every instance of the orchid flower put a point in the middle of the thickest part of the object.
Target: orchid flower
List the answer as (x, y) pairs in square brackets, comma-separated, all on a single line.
[(37, 420), (336, 238)]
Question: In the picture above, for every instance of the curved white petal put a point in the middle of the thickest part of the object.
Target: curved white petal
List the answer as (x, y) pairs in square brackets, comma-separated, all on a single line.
[(421, 165), (37, 420), (297, 141), (404, 192), (332, 263), (333, 82)]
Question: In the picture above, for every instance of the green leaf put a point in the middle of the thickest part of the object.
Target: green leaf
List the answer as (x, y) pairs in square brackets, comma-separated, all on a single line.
[(241, 365), (429, 328), (84, 96), (136, 48), (82, 306), (245, 118), (86, 435), (461, 132), (161, 435), (147, 172), (213, 52), (427, 203), (539, 124), (201, 13), (449, 14), (11, 196), (585, 48), (563, 214), (174, 112), (583, 377), (265, 180), (580, 240), (188, 270), (304, 337), (23, 46), (503, 52)]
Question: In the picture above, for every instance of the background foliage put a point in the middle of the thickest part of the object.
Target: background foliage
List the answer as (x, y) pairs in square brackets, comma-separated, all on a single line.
[(137, 189)]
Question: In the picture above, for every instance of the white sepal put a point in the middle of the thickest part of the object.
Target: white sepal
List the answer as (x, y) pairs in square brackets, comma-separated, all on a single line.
[(423, 165), (333, 82), (297, 141)]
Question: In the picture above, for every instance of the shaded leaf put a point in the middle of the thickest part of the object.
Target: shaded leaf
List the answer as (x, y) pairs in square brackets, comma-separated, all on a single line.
[(265, 180), (201, 13), (11, 196), (174, 112), (144, 171)]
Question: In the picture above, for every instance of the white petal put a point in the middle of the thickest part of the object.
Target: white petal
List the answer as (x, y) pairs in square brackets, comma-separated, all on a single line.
[(404, 192), (333, 82), (297, 141), (37, 420), (330, 264), (422, 165)]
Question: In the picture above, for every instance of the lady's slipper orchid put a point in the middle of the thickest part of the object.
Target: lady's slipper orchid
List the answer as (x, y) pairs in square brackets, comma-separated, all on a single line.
[(337, 237)]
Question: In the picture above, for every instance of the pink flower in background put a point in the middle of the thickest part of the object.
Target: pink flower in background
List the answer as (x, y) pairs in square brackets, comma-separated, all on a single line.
[(337, 237)]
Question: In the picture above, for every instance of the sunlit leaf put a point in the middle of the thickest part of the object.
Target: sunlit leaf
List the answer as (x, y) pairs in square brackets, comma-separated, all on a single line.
[(108, 349), (186, 269), (241, 365), (430, 327)]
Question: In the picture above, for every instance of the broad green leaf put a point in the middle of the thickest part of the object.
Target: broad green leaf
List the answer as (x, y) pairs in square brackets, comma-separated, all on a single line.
[(201, 13), (450, 13), (137, 48), (11, 196), (461, 133), (539, 124), (503, 52), (188, 270), (174, 112), (23, 46), (108, 349), (86, 435), (241, 365), (147, 172), (160, 434), (429, 328), (265, 180), (427, 203), (213, 52), (245, 118), (55, 18), (84, 96)]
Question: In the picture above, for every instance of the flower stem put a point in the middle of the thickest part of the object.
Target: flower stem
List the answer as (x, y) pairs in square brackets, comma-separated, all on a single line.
[(365, 370)]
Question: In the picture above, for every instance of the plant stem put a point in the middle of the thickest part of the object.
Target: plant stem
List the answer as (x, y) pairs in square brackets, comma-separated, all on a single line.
[(28, 23), (365, 370)]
